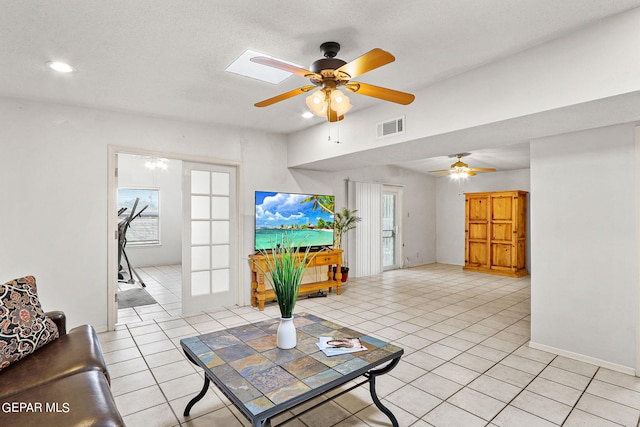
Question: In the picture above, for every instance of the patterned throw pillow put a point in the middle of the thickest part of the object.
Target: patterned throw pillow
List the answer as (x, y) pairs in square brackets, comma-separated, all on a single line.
[(23, 325)]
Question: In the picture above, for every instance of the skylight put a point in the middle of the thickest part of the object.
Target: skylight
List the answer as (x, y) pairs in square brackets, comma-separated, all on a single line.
[(244, 67)]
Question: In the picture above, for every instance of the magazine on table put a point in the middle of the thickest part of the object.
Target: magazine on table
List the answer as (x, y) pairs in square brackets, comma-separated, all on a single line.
[(335, 346)]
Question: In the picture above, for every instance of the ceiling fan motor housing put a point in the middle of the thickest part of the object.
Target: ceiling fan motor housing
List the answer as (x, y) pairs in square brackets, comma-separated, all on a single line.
[(329, 62), (326, 64), (330, 49)]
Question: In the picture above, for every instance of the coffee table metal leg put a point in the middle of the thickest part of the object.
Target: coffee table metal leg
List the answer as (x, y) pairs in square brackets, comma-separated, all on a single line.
[(262, 423), (371, 375), (198, 397)]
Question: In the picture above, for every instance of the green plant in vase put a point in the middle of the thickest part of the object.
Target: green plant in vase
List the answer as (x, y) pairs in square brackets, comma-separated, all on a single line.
[(285, 266)]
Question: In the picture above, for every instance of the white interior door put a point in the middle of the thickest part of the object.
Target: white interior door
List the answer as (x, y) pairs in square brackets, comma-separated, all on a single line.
[(210, 238)]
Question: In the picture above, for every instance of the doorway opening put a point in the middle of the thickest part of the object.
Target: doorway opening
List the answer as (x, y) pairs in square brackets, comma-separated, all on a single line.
[(391, 223), (149, 197), (165, 245)]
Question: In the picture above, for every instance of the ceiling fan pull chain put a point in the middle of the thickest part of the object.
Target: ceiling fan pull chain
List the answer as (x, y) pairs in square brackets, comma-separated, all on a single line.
[(337, 140)]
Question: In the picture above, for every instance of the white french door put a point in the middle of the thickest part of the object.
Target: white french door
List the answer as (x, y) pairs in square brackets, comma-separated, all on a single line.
[(391, 238), (209, 230)]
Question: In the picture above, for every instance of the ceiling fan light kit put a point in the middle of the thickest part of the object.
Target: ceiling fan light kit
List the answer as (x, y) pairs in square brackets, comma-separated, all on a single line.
[(461, 173), (329, 73), (339, 102), (461, 170)]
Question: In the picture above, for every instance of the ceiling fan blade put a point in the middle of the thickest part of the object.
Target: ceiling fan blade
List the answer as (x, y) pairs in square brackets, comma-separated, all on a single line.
[(380, 93), (369, 61), (443, 174), (471, 173), (270, 62), (439, 170), (283, 96), (483, 169)]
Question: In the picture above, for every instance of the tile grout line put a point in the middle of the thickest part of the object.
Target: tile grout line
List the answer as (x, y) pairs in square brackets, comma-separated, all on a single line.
[(580, 397), (475, 345), (484, 372), (520, 392), (152, 374), (157, 383)]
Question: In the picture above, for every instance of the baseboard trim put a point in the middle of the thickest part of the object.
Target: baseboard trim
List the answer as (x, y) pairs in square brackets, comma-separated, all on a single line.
[(582, 358)]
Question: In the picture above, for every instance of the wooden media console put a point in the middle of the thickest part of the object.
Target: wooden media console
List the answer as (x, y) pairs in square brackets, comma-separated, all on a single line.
[(331, 258)]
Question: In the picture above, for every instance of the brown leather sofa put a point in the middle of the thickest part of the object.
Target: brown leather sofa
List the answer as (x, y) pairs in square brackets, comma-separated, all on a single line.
[(64, 383)]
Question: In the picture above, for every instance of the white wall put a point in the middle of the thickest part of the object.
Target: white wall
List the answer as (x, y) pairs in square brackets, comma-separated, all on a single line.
[(53, 175), (450, 208), (418, 205), (132, 173), (584, 292)]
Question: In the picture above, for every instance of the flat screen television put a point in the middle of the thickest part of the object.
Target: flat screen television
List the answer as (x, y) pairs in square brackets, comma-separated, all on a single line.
[(307, 219)]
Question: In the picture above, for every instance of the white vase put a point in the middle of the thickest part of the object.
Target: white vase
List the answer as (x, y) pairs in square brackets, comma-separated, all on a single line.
[(286, 336)]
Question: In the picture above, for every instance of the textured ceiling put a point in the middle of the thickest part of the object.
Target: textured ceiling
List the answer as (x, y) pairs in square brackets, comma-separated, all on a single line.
[(511, 157), (167, 58)]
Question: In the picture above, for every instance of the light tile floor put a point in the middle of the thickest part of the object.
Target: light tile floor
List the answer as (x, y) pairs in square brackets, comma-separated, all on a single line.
[(164, 284), (466, 360)]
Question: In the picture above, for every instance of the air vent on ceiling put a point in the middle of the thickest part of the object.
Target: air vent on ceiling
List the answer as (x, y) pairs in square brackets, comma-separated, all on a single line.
[(391, 127)]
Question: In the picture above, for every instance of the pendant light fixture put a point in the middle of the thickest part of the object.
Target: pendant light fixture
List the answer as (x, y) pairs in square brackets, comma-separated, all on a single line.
[(328, 102)]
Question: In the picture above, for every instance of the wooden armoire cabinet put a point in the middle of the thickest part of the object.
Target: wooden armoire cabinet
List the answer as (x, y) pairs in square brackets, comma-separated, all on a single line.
[(496, 233)]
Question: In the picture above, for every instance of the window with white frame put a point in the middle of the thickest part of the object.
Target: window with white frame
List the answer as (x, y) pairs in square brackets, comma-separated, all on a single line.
[(144, 216)]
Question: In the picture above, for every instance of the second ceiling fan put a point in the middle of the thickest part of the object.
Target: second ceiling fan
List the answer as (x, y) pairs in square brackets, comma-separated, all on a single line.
[(460, 169), (329, 74)]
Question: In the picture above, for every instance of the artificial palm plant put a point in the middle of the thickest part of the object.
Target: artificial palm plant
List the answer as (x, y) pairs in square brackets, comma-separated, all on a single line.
[(285, 265), (343, 222)]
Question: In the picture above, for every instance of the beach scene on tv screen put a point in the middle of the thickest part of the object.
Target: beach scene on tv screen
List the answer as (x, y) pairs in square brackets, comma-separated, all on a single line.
[(307, 219)]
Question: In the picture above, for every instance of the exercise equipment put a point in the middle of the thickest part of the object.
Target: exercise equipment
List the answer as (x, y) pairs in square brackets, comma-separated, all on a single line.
[(123, 227)]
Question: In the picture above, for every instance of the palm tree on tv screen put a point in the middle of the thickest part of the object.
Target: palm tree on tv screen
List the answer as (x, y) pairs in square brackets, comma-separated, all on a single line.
[(326, 203)]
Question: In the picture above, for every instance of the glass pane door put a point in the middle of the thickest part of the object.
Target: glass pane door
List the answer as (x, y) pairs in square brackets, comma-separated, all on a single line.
[(391, 241), (209, 239)]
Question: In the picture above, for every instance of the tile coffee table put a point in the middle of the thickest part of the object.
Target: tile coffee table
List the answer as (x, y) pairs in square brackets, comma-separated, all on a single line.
[(264, 381)]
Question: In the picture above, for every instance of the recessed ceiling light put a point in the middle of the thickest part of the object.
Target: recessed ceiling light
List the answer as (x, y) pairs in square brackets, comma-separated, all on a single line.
[(61, 67), (244, 67), (307, 114)]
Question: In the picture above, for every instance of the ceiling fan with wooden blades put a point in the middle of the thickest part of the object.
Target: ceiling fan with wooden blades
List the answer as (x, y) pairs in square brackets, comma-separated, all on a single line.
[(329, 74), (460, 169)]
